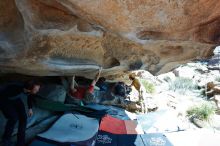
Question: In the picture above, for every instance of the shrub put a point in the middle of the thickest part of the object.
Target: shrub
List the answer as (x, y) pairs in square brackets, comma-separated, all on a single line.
[(202, 112), (182, 85), (149, 87)]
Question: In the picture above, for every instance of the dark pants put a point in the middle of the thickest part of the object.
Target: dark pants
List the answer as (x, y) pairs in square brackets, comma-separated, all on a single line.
[(14, 111)]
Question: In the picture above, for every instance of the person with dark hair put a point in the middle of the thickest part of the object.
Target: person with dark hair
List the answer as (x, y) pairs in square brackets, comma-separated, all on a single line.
[(13, 109)]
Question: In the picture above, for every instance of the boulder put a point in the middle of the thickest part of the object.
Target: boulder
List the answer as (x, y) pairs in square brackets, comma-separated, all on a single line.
[(216, 89), (50, 38), (151, 105), (167, 77), (210, 85), (213, 88), (53, 92), (133, 107), (201, 124), (185, 72), (215, 122), (217, 100)]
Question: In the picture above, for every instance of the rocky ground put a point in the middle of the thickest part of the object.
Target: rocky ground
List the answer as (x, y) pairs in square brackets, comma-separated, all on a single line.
[(187, 86)]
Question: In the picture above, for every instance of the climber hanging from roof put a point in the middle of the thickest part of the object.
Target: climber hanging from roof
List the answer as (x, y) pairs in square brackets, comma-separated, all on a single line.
[(84, 93)]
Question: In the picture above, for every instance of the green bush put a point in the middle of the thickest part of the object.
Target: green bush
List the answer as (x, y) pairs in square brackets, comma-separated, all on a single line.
[(149, 87), (202, 112), (182, 85)]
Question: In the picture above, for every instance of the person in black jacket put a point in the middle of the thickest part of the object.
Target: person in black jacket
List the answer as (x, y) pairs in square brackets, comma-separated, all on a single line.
[(13, 109)]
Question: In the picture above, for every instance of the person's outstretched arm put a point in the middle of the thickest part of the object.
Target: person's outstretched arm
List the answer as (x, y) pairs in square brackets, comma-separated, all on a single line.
[(73, 83), (97, 77)]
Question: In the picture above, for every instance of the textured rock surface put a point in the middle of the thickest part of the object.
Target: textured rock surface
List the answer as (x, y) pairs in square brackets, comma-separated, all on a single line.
[(55, 37)]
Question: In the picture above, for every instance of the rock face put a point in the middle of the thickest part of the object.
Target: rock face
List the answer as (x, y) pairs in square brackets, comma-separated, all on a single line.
[(54, 37)]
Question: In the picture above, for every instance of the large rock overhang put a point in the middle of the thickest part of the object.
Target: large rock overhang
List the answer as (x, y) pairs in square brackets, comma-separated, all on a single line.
[(56, 37)]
